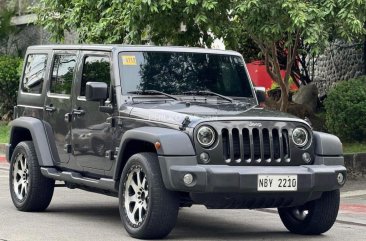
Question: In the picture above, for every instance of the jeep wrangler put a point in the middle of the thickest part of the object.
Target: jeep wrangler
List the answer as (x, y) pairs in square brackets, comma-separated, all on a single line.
[(163, 128)]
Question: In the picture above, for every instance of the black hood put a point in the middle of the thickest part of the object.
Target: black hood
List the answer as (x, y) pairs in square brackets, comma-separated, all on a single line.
[(176, 112)]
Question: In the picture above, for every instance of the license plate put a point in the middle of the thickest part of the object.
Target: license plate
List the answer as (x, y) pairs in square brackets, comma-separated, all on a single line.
[(277, 183)]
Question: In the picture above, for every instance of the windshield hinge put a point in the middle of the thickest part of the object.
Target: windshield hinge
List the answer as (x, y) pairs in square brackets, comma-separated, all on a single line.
[(185, 123)]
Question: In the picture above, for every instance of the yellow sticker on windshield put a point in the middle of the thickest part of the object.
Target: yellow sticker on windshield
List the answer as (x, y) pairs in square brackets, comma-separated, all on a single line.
[(129, 60)]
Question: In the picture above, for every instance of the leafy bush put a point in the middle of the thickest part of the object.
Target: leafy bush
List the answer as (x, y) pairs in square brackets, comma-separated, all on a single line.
[(10, 69), (346, 110)]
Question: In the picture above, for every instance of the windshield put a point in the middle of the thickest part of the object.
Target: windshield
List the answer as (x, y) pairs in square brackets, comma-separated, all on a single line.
[(179, 73)]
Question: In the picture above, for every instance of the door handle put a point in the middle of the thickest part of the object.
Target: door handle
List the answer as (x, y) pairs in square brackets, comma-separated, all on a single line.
[(49, 108), (78, 112)]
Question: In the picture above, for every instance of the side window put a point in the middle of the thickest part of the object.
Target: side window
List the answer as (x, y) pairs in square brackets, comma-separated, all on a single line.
[(34, 73), (62, 74), (95, 69)]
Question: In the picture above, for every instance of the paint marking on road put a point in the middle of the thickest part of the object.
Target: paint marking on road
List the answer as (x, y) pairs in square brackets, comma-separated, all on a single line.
[(2, 159), (354, 208), (353, 193)]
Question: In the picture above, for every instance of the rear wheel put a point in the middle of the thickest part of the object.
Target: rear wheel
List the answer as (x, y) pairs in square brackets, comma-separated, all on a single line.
[(147, 209), (29, 189), (315, 217)]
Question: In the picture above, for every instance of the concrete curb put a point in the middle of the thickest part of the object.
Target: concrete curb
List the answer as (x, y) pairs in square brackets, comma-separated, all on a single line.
[(2, 148), (2, 153), (355, 164)]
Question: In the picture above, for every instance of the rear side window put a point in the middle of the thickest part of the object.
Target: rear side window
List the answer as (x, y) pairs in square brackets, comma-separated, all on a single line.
[(34, 73), (62, 74), (95, 69)]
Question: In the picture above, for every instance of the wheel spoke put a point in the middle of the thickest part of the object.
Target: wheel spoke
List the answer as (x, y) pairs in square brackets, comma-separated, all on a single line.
[(140, 214), (143, 182), (20, 173), (22, 163), (134, 209), (134, 186), (144, 205), (138, 178), (26, 188), (22, 190)]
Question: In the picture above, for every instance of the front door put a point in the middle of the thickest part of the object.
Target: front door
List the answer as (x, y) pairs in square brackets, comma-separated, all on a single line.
[(58, 101), (91, 128)]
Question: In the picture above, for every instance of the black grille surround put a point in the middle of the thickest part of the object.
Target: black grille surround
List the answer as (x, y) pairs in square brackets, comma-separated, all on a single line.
[(255, 143)]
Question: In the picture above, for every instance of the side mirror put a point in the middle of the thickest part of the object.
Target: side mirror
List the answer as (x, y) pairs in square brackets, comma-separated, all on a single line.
[(96, 91), (261, 94)]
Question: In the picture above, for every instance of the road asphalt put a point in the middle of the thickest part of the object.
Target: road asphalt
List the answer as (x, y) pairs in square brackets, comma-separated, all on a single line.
[(80, 215)]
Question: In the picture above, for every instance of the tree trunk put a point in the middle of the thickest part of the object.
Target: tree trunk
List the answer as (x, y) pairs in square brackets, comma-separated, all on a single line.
[(284, 97)]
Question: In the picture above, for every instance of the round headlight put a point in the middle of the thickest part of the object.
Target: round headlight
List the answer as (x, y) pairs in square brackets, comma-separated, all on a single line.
[(206, 136), (300, 136)]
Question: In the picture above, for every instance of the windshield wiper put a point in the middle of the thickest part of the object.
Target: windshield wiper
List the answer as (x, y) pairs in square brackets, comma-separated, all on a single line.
[(207, 92), (152, 92)]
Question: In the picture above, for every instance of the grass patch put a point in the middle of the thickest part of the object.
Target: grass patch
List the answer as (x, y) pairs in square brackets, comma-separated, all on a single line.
[(354, 147), (4, 132)]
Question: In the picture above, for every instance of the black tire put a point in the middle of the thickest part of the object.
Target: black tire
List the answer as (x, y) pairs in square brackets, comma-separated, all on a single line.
[(38, 191), (320, 217), (162, 205)]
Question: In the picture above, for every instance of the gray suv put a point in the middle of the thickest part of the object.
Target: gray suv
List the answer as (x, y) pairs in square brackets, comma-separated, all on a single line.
[(163, 128)]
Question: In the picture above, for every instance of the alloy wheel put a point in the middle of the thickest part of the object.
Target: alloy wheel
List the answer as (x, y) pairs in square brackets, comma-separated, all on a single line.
[(21, 176), (136, 196)]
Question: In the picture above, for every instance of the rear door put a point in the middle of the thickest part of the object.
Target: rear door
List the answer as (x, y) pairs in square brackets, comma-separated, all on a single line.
[(57, 105), (92, 131)]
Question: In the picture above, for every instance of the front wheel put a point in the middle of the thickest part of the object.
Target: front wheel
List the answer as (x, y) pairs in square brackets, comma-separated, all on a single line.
[(147, 209), (314, 217)]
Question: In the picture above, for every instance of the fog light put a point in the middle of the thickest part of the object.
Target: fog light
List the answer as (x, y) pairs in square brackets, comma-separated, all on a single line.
[(205, 158), (188, 179), (340, 178), (306, 157)]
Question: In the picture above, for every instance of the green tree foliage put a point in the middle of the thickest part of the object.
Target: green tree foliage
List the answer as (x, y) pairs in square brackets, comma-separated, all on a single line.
[(346, 110), (272, 25), (10, 69)]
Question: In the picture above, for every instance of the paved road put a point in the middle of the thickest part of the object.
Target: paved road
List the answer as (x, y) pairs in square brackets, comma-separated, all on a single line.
[(79, 215)]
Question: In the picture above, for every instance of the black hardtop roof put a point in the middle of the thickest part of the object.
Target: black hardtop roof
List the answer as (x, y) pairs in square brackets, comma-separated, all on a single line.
[(120, 47)]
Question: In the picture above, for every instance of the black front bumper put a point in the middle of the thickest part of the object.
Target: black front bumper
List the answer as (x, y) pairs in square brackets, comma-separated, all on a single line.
[(244, 179)]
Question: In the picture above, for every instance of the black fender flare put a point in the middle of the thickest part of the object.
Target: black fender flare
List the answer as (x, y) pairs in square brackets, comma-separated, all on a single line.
[(327, 144), (328, 149), (42, 137), (173, 143)]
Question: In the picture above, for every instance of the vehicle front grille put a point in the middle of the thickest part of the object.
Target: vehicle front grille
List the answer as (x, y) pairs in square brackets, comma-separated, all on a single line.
[(255, 145)]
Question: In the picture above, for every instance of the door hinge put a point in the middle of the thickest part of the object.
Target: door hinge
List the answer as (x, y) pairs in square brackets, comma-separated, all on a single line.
[(109, 154), (68, 117), (68, 148)]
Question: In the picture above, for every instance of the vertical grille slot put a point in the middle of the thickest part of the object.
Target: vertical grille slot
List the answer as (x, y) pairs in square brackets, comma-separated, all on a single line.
[(286, 145), (225, 144), (276, 145), (266, 145), (246, 143), (236, 145), (256, 145)]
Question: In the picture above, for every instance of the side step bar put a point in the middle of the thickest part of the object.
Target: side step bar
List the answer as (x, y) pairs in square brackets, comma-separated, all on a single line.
[(76, 178)]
